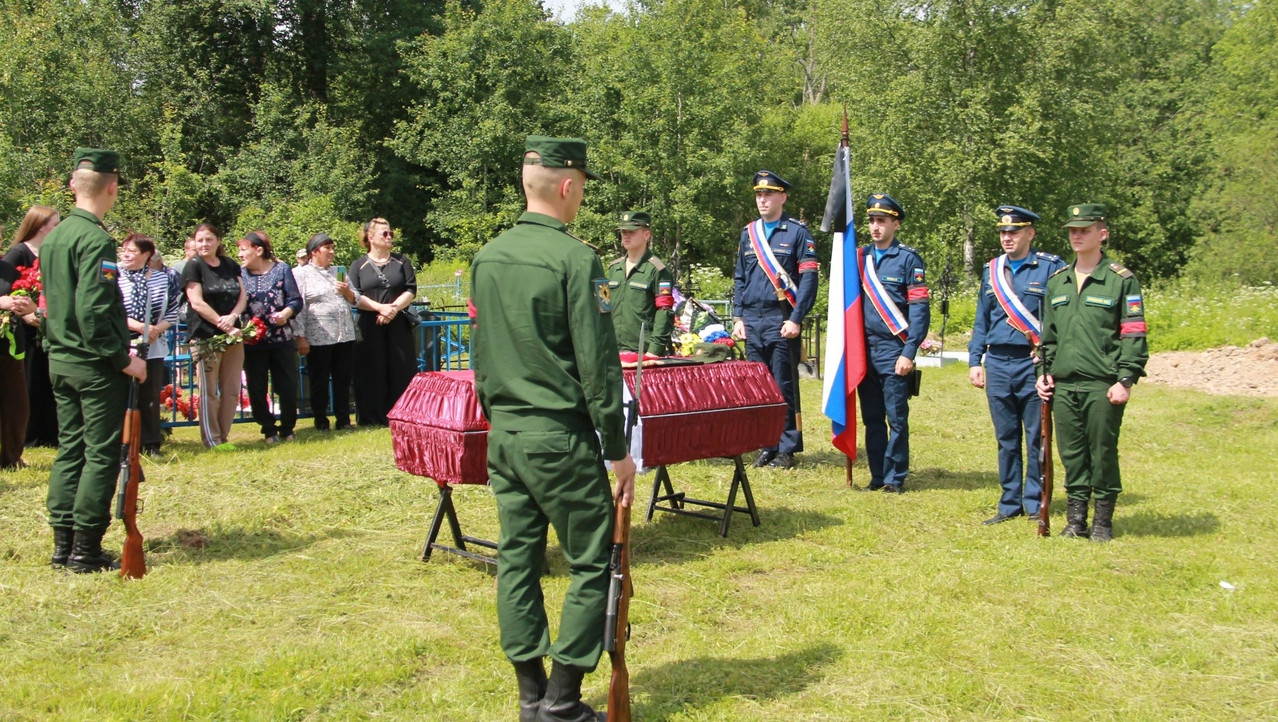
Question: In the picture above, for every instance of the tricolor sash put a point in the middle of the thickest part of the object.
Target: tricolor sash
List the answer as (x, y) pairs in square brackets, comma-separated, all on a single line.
[(768, 262), (879, 298), (1018, 316)]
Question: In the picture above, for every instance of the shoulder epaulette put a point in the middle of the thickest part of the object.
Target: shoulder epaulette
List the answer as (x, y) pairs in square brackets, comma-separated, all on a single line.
[(1049, 257), (799, 222), (908, 248), (657, 263), (615, 261), (587, 245), (1120, 269), (1060, 270)]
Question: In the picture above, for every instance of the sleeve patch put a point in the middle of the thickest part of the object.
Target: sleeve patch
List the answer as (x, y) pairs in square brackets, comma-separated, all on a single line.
[(1134, 306), (918, 276), (663, 288), (109, 272), (603, 295)]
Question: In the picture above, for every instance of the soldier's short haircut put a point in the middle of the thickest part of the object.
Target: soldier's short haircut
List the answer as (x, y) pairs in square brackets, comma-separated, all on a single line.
[(90, 183), (542, 182)]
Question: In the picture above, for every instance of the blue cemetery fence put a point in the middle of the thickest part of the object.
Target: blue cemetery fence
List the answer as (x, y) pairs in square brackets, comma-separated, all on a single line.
[(443, 344)]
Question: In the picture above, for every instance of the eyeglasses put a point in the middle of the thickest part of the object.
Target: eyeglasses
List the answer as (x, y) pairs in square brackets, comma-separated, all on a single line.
[(387, 234)]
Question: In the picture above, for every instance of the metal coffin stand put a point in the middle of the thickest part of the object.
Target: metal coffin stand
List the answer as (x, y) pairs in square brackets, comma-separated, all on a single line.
[(439, 432), (710, 411)]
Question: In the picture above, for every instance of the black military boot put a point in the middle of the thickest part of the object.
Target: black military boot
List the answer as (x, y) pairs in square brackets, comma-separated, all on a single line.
[(87, 555), (562, 702), (1076, 519), (1103, 524), (532, 687), (63, 536)]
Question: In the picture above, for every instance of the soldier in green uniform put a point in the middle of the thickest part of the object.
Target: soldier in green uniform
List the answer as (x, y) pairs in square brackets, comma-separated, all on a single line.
[(1093, 352), (87, 338), (641, 288), (548, 378)]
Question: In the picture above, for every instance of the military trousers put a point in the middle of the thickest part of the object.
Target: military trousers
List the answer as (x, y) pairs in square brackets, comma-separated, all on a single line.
[(885, 403), (765, 345), (1086, 430), (91, 404), (1016, 411), (544, 478)]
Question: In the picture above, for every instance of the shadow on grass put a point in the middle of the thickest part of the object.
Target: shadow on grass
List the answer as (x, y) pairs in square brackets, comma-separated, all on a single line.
[(198, 546), (697, 683), (1148, 523), (937, 478), (675, 538)]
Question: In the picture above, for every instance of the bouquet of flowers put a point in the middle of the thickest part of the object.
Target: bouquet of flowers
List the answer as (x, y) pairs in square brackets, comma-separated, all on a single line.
[(207, 347), (171, 397), (27, 284), (254, 331)]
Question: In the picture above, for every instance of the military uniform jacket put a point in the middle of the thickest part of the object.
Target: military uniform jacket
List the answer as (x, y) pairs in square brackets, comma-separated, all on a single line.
[(643, 296), (545, 353), (1029, 282), (1098, 333), (85, 321), (904, 277), (752, 290)]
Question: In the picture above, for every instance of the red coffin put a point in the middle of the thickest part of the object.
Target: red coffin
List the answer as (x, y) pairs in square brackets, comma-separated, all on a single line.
[(707, 411), (439, 431), (689, 413)]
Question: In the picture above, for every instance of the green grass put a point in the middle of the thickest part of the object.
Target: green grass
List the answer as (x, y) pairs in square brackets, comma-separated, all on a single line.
[(307, 601), (1188, 315)]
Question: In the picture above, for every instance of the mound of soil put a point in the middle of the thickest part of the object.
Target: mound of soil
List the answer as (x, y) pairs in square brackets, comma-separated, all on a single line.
[(1229, 370)]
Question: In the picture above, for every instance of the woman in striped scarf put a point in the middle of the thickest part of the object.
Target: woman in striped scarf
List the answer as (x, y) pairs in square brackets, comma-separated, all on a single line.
[(152, 308)]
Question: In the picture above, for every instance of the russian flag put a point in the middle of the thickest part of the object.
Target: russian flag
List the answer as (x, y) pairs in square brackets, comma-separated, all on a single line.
[(845, 327)]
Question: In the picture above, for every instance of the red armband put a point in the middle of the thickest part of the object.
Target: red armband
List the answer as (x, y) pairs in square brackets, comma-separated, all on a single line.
[(808, 266), (1132, 329), (665, 300), (917, 294)]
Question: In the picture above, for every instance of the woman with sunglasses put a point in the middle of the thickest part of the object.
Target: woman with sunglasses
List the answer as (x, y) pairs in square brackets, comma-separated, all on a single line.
[(217, 299), (384, 284), (270, 362), (152, 309)]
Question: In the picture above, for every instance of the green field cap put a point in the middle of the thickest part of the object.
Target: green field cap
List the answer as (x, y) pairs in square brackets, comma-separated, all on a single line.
[(558, 153), (96, 159), (1084, 214), (633, 220)]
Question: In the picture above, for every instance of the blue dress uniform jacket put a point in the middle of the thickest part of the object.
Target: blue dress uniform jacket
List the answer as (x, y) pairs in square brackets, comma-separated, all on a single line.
[(904, 277), (884, 395), (754, 300), (1009, 380), (752, 291), (1030, 284)]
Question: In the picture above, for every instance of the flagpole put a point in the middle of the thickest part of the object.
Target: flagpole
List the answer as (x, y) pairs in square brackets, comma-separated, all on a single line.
[(846, 142)]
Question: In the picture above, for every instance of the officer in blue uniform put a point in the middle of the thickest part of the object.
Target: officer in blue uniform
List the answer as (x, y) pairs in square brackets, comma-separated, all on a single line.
[(902, 296), (1008, 373), (770, 298)]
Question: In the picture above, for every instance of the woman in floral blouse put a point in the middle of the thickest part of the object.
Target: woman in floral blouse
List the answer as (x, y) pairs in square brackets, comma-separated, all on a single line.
[(271, 359), (326, 332)]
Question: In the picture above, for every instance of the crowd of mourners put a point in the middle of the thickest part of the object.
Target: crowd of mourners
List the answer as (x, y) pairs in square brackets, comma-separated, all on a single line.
[(245, 321)]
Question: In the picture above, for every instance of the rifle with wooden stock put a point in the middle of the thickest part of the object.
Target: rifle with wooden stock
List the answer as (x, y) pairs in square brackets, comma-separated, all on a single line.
[(1045, 468), (620, 586), (132, 556)]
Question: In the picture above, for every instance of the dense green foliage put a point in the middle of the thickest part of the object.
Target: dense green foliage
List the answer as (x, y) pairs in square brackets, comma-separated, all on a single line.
[(308, 115)]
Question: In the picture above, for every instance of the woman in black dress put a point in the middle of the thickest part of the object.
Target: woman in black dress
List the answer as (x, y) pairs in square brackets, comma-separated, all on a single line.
[(384, 284), (42, 423)]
